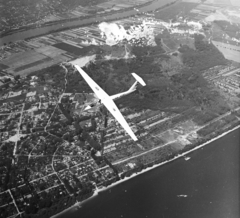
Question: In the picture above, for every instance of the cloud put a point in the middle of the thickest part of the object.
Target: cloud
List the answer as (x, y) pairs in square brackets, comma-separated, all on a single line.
[(113, 33)]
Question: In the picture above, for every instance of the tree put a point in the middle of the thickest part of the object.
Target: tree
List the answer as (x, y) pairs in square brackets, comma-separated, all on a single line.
[(17, 77)]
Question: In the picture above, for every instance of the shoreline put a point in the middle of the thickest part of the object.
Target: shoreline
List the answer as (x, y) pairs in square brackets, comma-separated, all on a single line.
[(77, 205)]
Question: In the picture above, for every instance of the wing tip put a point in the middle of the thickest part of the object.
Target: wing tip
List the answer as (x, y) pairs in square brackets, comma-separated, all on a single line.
[(134, 138)]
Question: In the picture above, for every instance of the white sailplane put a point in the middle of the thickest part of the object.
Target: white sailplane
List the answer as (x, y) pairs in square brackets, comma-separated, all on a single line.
[(108, 101)]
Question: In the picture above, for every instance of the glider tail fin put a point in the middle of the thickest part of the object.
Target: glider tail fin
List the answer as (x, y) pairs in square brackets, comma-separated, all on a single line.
[(138, 80)]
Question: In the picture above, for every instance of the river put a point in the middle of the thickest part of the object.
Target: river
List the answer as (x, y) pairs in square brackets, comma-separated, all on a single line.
[(81, 22), (206, 186)]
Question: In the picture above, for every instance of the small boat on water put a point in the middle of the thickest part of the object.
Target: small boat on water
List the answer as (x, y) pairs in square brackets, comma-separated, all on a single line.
[(182, 196), (186, 158)]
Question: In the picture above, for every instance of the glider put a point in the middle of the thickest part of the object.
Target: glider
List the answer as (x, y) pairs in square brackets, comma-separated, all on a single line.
[(107, 100)]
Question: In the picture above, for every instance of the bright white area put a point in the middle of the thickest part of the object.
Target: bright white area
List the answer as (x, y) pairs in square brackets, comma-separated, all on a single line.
[(15, 138), (83, 61), (113, 33), (235, 2), (218, 15)]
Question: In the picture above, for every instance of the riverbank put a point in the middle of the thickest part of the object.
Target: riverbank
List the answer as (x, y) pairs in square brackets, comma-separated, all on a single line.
[(98, 191), (31, 33)]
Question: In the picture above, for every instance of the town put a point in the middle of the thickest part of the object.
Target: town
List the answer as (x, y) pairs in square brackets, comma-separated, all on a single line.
[(54, 153)]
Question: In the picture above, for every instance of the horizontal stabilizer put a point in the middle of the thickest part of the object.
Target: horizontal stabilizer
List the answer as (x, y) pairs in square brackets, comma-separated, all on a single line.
[(139, 79)]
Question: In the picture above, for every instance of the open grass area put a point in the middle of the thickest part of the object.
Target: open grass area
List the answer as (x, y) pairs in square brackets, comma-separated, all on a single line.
[(73, 49), (50, 51), (17, 60), (230, 52), (24, 67)]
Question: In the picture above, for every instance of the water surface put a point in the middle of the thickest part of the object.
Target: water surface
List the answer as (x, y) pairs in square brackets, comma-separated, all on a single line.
[(210, 180)]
